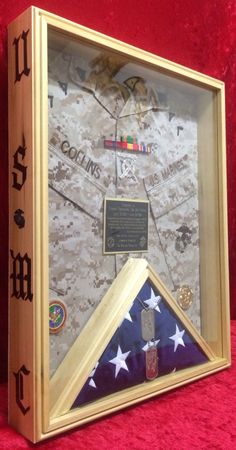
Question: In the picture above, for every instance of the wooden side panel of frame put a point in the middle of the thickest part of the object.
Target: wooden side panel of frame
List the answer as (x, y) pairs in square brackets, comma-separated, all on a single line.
[(209, 225), (21, 258), (213, 225)]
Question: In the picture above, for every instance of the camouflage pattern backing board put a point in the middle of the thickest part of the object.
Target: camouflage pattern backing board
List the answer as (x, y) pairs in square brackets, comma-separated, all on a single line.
[(116, 130)]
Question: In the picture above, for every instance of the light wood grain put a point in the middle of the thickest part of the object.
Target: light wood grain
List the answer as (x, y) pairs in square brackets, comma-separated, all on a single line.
[(70, 377), (21, 312), (28, 329), (132, 396)]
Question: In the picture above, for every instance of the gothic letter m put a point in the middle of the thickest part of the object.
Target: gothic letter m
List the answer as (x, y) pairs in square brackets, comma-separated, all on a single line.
[(21, 277)]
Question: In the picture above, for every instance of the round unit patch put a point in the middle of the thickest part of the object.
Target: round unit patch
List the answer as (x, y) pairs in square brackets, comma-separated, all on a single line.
[(57, 316)]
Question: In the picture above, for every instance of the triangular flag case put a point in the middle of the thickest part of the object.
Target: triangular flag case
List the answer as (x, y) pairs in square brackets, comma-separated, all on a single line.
[(118, 257)]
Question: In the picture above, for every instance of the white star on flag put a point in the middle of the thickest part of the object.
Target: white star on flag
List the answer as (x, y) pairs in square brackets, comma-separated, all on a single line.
[(153, 301), (119, 361), (150, 344), (91, 381), (128, 317), (178, 338)]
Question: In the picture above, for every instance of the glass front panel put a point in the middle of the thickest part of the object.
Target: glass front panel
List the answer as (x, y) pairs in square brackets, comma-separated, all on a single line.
[(122, 130)]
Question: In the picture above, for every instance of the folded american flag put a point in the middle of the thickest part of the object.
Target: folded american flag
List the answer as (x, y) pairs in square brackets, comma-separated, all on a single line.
[(123, 363)]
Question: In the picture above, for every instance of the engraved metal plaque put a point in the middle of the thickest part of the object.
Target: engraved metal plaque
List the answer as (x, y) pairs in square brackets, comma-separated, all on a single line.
[(125, 226), (148, 324)]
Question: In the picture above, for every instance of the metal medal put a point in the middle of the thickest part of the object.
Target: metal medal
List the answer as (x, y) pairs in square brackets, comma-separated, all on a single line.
[(151, 363), (185, 297), (148, 324)]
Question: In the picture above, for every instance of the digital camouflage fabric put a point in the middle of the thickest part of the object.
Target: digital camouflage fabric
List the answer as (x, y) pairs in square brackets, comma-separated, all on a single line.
[(97, 101)]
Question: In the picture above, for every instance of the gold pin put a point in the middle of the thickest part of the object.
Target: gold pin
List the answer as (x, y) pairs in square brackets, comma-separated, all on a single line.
[(185, 297)]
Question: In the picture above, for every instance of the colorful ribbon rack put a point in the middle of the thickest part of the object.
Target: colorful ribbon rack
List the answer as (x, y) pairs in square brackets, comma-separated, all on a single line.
[(127, 143)]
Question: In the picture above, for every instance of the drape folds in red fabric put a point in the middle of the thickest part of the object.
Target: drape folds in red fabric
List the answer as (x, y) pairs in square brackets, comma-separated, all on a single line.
[(201, 35), (200, 416)]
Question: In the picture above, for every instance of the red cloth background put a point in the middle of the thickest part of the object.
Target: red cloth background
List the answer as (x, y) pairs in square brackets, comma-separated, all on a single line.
[(200, 34), (200, 416)]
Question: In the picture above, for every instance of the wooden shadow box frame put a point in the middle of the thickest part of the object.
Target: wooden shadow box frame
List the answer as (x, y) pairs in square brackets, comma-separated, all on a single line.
[(40, 403)]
